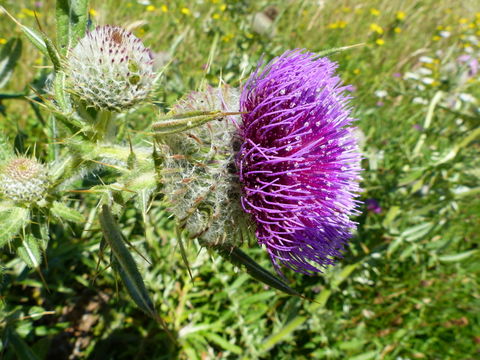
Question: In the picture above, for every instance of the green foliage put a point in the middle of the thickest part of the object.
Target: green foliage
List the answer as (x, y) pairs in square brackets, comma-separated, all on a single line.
[(9, 56)]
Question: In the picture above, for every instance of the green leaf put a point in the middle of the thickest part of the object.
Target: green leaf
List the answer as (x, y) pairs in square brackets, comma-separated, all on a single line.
[(29, 251), (71, 23), (62, 211), (22, 350), (35, 37), (6, 150), (457, 257), (125, 263), (9, 56), (13, 219), (283, 334), (224, 344), (239, 258)]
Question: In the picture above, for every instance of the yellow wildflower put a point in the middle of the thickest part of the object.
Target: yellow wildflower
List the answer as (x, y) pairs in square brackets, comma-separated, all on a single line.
[(223, 7), (379, 42), (164, 8), (216, 16), (374, 12), (3, 41), (150, 8), (436, 38), (227, 37), (356, 71), (397, 30), (376, 28), (92, 12), (400, 15), (28, 12), (462, 21)]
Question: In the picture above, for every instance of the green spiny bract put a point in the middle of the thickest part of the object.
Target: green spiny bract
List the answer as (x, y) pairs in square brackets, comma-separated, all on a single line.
[(110, 69), (23, 180), (199, 177)]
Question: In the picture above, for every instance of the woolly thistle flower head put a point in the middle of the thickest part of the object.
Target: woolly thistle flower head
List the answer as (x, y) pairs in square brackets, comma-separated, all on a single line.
[(110, 69), (199, 177), (23, 180), (299, 162)]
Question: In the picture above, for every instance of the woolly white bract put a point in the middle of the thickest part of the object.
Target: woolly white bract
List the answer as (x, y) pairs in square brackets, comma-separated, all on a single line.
[(199, 177)]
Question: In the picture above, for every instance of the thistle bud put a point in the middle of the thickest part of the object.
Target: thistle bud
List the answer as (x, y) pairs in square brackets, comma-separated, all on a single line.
[(199, 178), (23, 180), (110, 69)]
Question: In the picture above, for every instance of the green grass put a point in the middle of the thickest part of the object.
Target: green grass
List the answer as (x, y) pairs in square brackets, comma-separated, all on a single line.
[(408, 287)]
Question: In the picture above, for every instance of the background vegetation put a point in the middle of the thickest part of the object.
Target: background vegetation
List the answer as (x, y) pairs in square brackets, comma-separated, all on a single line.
[(408, 287)]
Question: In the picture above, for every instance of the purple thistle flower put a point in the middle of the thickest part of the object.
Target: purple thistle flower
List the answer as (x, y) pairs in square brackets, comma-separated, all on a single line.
[(299, 162)]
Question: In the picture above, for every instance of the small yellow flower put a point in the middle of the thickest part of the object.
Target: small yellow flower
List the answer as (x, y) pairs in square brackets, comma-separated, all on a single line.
[(435, 83), (28, 12), (140, 32), (342, 24), (249, 36), (374, 12), (150, 8), (462, 21), (436, 38), (376, 28), (227, 37), (397, 30), (223, 7), (3, 41), (38, 61), (164, 8), (216, 16), (185, 11), (333, 25), (379, 42), (356, 71), (92, 12), (471, 26), (400, 15)]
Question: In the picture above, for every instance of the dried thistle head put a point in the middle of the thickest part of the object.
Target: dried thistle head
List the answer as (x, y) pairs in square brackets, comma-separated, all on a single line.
[(23, 180), (110, 69)]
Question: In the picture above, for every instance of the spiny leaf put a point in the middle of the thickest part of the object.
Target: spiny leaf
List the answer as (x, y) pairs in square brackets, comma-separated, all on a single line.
[(13, 219), (71, 22), (29, 252), (9, 56), (62, 211), (125, 263)]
